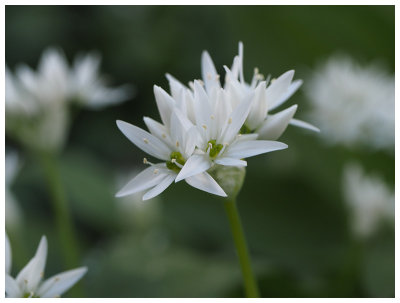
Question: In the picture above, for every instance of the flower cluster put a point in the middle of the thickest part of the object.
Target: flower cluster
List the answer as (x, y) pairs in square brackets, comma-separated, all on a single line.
[(350, 100), (28, 283), (37, 102), (207, 125)]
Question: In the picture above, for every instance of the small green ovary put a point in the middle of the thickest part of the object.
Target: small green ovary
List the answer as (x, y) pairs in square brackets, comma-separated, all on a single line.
[(215, 148), (176, 157)]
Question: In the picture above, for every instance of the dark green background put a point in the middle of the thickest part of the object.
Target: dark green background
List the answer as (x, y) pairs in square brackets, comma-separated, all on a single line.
[(291, 202)]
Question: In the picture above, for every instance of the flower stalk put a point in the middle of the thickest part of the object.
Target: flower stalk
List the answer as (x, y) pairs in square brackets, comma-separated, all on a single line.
[(235, 223), (64, 224)]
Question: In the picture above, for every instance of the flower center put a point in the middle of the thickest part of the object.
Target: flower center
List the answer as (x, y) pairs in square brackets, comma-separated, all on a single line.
[(176, 162), (215, 148)]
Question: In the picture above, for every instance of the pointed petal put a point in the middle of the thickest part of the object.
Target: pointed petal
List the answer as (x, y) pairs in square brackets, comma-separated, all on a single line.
[(144, 140), (29, 277), (235, 122), (259, 108), (8, 255), (206, 183), (277, 89), (175, 86), (196, 164), (209, 73), (160, 187), (157, 129), (274, 126), (303, 124), (230, 162), (12, 288), (148, 178), (245, 149), (294, 86), (165, 104), (60, 283)]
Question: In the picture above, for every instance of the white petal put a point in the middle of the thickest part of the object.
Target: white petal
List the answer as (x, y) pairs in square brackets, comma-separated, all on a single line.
[(8, 255), (157, 129), (245, 149), (209, 73), (230, 162), (294, 86), (60, 283), (196, 164), (206, 183), (274, 126), (191, 138), (144, 140), (303, 124), (235, 122), (259, 108), (277, 89), (201, 105), (150, 177), (30, 276), (175, 86), (160, 187), (12, 288), (246, 137), (165, 104)]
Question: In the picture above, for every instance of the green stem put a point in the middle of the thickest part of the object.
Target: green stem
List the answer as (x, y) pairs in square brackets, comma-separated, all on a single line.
[(63, 218), (250, 283)]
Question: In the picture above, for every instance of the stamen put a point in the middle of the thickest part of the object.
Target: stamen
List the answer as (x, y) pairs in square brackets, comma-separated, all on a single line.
[(256, 70), (209, 77), (177, 143), (145, 161), (204, 126), (164, 136), (176, 163), (201, 82), (212, 117), (145, 141), (155, 171), (56, 279), (217, 77), (230, 121)]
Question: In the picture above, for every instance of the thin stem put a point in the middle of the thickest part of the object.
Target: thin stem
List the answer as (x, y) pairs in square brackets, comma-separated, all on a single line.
[(63, 219), (250, 283)]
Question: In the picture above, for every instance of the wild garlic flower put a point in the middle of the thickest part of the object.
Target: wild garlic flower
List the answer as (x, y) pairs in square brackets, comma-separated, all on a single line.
[(12, 208), (369, 199), (353, 104), (37, 102), (28, 283), (267, 96), (172, 143)]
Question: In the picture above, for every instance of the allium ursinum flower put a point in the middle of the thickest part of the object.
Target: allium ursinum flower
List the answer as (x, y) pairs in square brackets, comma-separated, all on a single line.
[(353, 104), (173, 143), (218, 125), (12, 208), (266, 97), (29, 284), (37, 102), (89, 88), (369, 200)]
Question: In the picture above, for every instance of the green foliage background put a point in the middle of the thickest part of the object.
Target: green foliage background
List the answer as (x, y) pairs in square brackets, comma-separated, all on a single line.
[(291, 202)]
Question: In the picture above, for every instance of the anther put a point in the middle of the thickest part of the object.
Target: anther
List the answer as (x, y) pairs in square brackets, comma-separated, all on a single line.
[(204, 126), (212, 117), (56, 279), (145, 141), (155, 171), (209, 77), (256, 70), (230, 121), (164, 136), (177, 143), (217, 77), (145, 161)]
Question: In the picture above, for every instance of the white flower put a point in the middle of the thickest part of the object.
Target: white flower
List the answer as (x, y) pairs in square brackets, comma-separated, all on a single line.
[(12, 208), (369, 200), (353, 104), (173, 143), (265, 97), (37, 103), (28, 282), (88, 86)]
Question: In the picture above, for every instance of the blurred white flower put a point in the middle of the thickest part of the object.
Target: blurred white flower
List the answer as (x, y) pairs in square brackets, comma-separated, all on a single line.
[(28, 283), (353, 104), (37, 103), (12, 208), (88, 86), (369, 199)]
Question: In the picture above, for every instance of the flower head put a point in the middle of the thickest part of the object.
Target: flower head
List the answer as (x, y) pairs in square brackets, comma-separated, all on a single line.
[(353, 104), (28, 282), (369, 200)]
